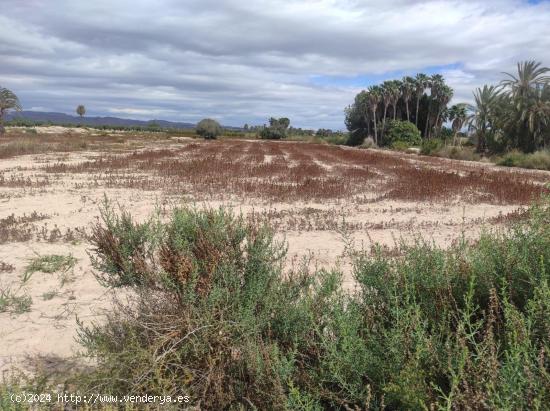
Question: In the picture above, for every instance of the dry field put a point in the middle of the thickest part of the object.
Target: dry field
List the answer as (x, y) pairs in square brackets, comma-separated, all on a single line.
[(322, 199)]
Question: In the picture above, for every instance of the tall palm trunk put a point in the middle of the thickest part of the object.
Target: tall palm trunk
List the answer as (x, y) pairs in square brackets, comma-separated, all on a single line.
[(417, 106), (384, 120), (367, 120), (394, 111), (407, 108), (2, 129), (428, 118), (375, 128), (437, 119)]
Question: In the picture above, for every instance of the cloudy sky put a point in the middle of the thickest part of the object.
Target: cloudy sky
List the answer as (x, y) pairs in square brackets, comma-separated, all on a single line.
[(243, 61)]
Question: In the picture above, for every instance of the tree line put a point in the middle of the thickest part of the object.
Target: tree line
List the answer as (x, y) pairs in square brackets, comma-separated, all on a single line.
[(515, 114), (421, 100)]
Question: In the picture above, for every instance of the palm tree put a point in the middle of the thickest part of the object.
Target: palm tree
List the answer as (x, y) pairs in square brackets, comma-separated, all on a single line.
[(458, 115), (526, 91), (537, 116), (435, 83), (407, 90), (530, 76), (421, 84), (444, 95), (386, 96), (395, 95), (373, 98), (8, 101), (481, 119)]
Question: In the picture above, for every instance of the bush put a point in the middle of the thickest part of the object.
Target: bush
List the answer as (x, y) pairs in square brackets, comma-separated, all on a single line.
[(278, 128), (368, 143), (538, 160), (400, 146), (356, 138), (212, 316), (403, 131), (458, 153), (336, 139), (430, 146), (209, 129)]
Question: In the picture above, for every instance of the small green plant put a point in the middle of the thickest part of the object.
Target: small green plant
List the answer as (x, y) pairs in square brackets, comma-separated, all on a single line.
[(49, 295), (13, 303), (49, 264)]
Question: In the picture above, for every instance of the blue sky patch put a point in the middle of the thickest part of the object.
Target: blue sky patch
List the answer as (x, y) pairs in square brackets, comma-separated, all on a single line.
[(366, 80)]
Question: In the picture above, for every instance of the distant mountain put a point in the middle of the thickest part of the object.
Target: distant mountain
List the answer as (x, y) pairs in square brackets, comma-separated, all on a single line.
[(61, 118)]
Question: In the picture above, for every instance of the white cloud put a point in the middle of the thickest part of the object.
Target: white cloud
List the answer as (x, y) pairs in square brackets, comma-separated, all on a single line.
[(243, 62)]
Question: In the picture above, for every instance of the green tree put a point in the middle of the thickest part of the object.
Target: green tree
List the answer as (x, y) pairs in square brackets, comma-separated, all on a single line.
[(422, 82), (526, 115), (407, 90), (209, 129), (458, 114), (483, 112), (8, 101), (435, 83), (374, 96), (386, 94), (443, 97), (278, 129), (81, 110), (395, 95)]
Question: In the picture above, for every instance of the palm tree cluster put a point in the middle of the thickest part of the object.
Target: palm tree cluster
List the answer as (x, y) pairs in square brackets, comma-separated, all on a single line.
[(516, 113), (422, 100)]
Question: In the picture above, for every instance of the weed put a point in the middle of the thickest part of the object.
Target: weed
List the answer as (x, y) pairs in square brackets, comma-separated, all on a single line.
[(49, 295), (6, 268), (13, 303), (19, 228), (49, 264)]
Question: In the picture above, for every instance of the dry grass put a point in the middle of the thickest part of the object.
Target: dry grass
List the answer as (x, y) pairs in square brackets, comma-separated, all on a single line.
[(19, 228), (289, 172), (18, 142)]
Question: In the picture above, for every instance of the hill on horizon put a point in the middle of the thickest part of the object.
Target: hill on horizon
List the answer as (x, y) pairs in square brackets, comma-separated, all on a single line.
[(62, 118)]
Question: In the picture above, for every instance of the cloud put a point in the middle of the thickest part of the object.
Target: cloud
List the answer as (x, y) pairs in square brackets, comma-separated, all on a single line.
[(242, 62)]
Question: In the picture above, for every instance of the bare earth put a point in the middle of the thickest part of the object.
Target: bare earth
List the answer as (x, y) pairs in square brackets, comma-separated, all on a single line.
[(319, 198)]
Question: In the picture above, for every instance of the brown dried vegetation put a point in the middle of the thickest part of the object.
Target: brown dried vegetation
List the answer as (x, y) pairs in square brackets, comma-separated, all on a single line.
[(288, 172)]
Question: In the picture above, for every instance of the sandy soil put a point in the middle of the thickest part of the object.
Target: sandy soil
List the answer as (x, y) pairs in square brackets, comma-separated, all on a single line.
[(49, 328)]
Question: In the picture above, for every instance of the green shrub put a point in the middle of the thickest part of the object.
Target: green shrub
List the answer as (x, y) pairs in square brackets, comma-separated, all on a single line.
[(338, 139), (400, 146), (209, 129), (538, 160), (212, 316), (430, 146), (277, 129), (403, 131), (355, 138), (458, 153)]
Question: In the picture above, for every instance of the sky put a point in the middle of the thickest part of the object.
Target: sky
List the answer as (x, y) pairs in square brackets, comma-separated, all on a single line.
[(245, 61)]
